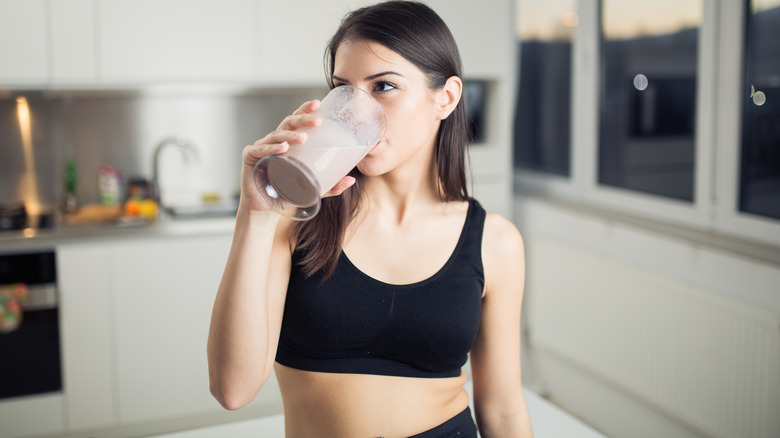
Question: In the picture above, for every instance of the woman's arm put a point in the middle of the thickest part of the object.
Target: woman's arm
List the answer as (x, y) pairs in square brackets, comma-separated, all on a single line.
[(499, 403), (247, 313), (247, 316)]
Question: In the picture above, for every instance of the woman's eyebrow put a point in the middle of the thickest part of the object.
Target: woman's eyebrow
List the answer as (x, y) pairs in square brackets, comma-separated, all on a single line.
[(371, 77), (384, 73)]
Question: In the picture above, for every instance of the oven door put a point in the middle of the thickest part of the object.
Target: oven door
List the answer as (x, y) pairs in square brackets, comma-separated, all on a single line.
[(30, 355)]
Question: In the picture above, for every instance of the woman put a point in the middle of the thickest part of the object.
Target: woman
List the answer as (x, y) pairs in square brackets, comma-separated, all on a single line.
[(371, 309)]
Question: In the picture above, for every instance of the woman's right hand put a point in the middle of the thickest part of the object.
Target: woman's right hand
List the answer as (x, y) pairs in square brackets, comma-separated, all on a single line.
[(278, 142)]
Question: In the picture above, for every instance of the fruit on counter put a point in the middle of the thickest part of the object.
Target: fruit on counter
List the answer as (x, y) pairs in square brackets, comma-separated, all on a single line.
[(146, 208), (132, 207)]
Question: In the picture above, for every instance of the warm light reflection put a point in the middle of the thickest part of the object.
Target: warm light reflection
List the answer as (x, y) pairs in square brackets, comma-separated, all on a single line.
[(28, 232), (545, 20), (764, 5), (23, 111), (553, 20), (31, 201), (630, 19), (570, 19)]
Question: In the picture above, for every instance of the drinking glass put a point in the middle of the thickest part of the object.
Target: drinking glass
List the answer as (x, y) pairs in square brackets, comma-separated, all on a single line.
[(293, 183)]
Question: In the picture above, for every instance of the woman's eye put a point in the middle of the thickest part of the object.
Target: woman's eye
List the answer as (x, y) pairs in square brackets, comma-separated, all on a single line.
[(384, 86)]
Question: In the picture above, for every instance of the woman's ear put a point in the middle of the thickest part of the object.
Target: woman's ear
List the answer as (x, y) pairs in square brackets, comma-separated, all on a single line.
[(448, 97)]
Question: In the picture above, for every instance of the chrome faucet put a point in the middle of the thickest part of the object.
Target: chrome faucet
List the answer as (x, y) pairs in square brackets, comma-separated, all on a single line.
[(187, 149)]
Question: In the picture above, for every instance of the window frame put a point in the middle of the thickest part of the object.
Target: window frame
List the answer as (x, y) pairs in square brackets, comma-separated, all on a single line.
[(720, 61), (730, 219)]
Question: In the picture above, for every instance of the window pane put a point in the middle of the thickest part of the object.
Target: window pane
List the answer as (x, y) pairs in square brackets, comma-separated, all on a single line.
[(760, 185), (648, 95), (542, 126)]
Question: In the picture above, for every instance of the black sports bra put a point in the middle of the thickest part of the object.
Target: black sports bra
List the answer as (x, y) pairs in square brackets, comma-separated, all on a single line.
[(353, 323)]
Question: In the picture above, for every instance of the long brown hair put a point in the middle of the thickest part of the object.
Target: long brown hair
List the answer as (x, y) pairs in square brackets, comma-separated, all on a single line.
[(417, 33)]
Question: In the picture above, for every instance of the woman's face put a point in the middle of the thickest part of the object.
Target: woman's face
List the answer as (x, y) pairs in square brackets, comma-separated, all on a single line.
[(402, 90)]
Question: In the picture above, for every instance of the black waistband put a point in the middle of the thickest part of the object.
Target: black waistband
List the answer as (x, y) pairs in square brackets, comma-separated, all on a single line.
[(460, 426)]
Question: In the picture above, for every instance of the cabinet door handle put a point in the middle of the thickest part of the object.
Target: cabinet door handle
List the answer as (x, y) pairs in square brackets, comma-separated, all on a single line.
[(41, 297)]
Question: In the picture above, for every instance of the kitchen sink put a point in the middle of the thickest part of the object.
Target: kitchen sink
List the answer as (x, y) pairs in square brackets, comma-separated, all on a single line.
[(206, 210)]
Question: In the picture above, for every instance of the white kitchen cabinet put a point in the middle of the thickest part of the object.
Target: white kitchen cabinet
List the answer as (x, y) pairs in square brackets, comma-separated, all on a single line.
[(134, 320), (293, 37), (164, 291), (44, 42), (483, 32), (23, 42), (95, 43), (72, 43), (32, 416), (256, 42), (145, 41), (83, 277)]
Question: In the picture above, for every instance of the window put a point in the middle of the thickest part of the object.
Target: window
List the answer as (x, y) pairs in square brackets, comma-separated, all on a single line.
[(672, 115), (760, 160), (648, 96), (542, 119)]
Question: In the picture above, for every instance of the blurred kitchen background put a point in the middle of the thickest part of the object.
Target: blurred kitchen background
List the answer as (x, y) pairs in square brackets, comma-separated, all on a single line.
[(635, 144), (125, 129)]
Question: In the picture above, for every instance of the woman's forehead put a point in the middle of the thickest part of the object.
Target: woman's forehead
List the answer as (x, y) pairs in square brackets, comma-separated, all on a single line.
[(367, 57)]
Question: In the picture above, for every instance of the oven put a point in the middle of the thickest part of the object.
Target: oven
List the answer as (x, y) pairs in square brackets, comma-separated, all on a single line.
[(30, 359)]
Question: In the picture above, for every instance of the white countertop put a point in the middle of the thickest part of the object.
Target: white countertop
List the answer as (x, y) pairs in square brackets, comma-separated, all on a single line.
[(166, 226)]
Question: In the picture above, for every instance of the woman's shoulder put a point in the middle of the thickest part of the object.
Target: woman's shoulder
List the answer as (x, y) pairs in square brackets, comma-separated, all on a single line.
[(501, 238), (503, 256)]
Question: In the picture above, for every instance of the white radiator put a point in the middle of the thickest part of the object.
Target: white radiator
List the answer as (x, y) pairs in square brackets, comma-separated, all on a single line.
[(710, 362)]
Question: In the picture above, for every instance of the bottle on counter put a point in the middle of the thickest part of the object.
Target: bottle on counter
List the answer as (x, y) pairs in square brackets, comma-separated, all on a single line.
[(70, 200), (109, 185)]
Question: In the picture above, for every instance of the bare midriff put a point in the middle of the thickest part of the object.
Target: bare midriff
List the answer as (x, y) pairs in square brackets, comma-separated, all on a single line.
[(366, 406)]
